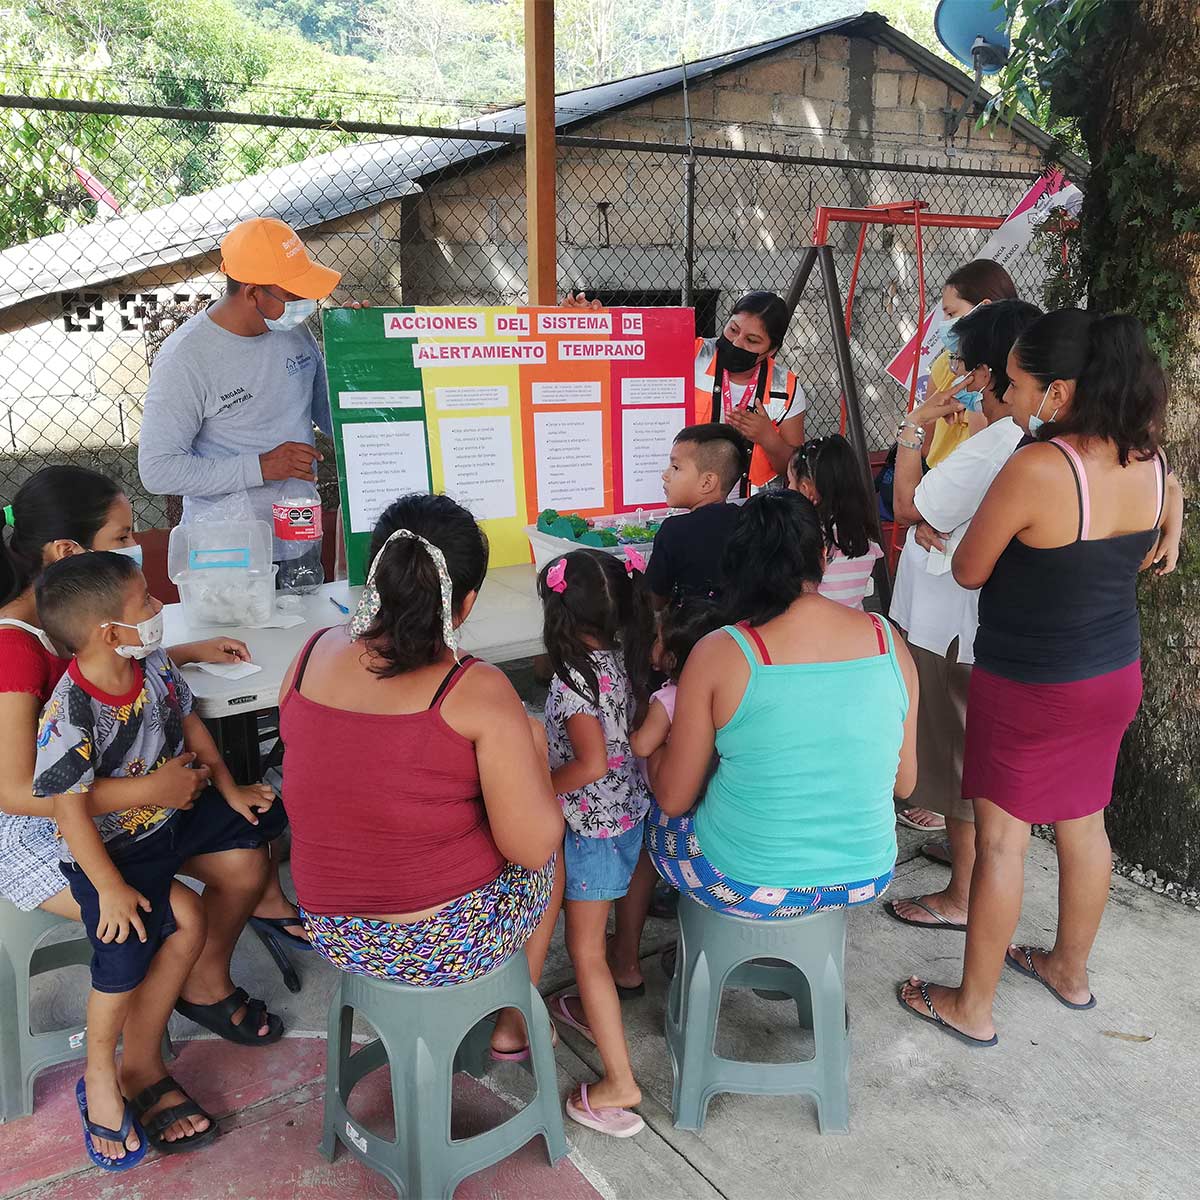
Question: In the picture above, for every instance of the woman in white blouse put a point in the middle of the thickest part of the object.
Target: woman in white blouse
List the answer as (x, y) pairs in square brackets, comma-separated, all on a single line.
[(937, 616)]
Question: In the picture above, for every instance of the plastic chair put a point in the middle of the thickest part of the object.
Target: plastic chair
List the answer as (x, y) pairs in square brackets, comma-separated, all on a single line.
[(718, 951), (24, 1054), (425, 1036)]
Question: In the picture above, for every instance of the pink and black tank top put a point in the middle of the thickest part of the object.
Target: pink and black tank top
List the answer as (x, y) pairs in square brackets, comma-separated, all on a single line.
[(1064, 613)]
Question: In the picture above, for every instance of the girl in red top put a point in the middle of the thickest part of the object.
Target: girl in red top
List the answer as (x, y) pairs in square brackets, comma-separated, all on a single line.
[(424, 826)]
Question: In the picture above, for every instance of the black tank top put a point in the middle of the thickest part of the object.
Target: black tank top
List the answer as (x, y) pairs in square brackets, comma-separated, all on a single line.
[(1065, 613)]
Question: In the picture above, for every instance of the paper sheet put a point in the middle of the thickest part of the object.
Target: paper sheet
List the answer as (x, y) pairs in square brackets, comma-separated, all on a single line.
[(477, 465), (409, 399), (384, 459), (567, 391), (281, 620), (471, 397), (646, 437), (667, 390), (570, 460), (238, 670)]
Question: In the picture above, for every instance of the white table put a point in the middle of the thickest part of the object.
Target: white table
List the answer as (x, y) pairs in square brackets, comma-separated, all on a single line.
[(505, 624)]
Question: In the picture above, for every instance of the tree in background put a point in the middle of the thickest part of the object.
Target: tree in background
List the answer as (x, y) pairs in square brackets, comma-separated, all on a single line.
[(1127, 75)]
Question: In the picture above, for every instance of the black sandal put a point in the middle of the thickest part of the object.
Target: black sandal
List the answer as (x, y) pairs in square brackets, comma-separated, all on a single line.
[(155, 1127), (273, 933), (218, 1018)]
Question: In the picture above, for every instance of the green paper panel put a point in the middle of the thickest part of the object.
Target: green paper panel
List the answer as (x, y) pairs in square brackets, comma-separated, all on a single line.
[(378, 408)]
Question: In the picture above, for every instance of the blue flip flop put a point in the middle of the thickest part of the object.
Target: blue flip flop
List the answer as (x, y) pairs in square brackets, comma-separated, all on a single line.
[(91, 1130)]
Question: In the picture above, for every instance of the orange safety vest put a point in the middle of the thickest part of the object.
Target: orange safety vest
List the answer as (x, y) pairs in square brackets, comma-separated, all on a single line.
[(779, 392)]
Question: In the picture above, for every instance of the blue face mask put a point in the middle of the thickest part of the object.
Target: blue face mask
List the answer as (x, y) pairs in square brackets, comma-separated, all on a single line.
[(971, 401), (295, 312), (1035, 419), (134, 552)]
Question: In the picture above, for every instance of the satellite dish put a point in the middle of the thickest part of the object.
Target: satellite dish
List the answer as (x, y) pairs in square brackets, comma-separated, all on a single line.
[(975, 32)]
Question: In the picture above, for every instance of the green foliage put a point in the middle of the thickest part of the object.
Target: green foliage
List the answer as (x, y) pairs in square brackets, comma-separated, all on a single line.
[(1043, 72), (440, 61), (1143, 195), (1061, 248), (39, 192), (1133, 196)]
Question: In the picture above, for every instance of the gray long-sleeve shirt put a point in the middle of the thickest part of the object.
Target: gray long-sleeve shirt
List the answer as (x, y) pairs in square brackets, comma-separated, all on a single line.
[(216, 401)]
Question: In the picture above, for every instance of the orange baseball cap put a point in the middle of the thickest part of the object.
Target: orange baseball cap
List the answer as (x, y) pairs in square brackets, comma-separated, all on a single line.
[(267, 251)]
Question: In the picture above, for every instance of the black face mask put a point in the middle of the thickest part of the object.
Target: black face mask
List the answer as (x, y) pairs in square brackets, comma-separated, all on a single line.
[(735, 359)]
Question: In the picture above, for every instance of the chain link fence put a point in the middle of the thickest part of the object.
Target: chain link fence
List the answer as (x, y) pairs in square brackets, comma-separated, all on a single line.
[(112, 215)]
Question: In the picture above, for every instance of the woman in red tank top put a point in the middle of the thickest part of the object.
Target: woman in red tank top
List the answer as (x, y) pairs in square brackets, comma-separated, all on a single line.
[(424, 825)]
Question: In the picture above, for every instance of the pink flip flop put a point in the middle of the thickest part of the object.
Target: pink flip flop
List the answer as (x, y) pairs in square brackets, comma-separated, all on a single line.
[(560, 1012), (615, 1122)]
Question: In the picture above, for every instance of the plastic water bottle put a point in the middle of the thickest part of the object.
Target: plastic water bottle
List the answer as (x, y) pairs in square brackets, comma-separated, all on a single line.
[(297, 520)]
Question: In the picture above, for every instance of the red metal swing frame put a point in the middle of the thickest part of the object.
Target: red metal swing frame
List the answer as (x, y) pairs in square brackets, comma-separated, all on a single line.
[(903, 213)]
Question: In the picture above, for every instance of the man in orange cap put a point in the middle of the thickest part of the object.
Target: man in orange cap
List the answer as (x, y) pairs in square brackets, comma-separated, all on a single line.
[(236, 390)]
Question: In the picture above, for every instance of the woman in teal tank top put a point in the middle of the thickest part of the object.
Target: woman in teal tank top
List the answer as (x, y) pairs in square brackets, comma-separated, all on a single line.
[(811, 709)]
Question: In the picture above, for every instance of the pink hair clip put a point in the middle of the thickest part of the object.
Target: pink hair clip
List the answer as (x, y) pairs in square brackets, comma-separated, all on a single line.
[(556, 577), (634, 561)]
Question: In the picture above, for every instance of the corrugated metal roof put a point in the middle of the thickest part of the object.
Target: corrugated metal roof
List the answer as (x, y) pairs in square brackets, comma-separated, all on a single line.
[(357, 177)]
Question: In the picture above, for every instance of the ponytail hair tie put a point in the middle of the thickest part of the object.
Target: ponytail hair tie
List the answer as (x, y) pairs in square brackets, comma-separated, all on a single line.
[(8, 516), (368, 605), (556, 577), (634, 561)]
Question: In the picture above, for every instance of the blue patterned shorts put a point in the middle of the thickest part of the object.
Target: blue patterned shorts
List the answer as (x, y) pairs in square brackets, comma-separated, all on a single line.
[(675, 851), (468, 938)]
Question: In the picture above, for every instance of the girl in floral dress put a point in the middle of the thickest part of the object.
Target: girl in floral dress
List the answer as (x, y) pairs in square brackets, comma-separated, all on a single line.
[(598, 632)]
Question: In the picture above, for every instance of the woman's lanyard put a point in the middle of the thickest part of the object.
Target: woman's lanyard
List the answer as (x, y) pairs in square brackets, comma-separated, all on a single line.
[(727, 392)]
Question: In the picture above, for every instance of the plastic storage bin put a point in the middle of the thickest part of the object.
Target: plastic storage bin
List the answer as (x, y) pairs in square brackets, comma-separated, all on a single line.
[(546, 547), (224, 572)]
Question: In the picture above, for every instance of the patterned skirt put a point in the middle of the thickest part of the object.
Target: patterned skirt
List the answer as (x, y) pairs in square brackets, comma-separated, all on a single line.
[(675, 851), (468, 938)]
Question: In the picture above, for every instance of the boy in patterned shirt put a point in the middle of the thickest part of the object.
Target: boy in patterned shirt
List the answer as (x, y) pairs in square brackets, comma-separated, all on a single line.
[(123, 710)]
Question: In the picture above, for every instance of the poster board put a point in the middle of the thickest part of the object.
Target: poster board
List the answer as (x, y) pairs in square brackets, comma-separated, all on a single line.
[(508, 410)]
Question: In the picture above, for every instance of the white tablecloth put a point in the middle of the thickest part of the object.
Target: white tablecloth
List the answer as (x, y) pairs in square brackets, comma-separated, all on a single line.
[(505, 624)]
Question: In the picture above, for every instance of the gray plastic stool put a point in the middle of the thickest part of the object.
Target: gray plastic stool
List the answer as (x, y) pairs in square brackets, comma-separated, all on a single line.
[(425, 1036), (24, 1054), (717, 951)]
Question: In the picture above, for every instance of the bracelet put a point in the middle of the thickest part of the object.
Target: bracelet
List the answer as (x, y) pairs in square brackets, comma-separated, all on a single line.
[(919, 430), (908, 445)]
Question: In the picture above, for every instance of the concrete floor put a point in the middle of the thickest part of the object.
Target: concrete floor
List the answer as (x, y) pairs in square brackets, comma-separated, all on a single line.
[(1069, 1105)]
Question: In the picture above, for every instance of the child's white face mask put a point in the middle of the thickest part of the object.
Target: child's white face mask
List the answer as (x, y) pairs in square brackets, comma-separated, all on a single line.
[(149, 631)]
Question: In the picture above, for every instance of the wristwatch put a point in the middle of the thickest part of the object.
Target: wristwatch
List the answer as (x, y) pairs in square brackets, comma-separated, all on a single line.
[(918, 431)]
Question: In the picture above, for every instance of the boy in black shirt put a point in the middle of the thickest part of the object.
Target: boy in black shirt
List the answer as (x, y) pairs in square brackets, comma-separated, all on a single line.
[(707, 461)]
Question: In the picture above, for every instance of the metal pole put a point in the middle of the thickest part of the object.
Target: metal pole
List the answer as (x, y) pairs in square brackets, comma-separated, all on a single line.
[(800, 279), (689, 201), (845, 365)]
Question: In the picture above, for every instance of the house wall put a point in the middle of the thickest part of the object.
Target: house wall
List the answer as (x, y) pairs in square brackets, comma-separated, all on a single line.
[(621, 215)]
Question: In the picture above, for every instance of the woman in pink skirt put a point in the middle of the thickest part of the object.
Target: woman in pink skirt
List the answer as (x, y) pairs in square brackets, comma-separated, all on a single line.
[(1056, 547)]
